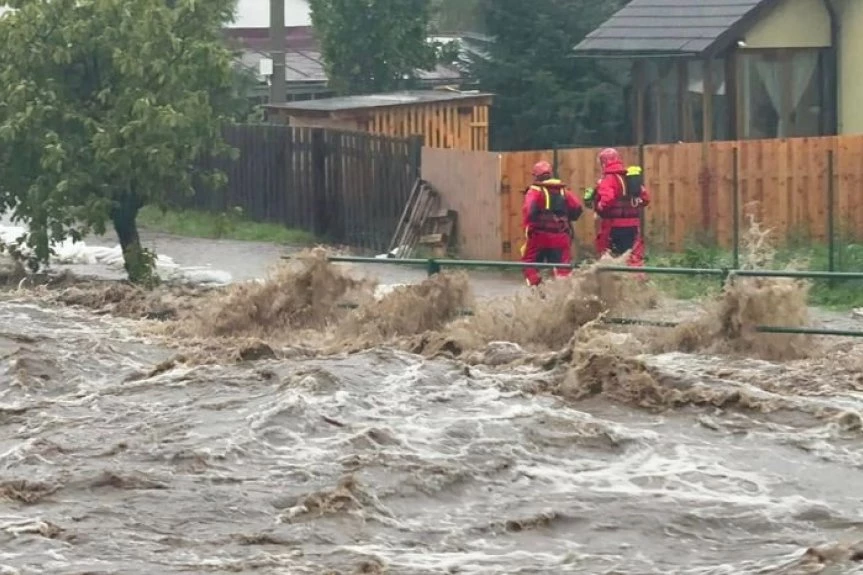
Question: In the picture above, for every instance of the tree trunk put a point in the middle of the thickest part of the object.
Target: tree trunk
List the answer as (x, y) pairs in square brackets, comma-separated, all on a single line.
[(138, 262)]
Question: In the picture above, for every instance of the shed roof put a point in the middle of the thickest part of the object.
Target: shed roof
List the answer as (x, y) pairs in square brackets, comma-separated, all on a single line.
[(673, 27), (369, 101)]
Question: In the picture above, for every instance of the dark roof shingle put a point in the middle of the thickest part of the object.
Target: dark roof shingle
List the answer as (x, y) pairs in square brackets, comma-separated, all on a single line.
[(670, 26)]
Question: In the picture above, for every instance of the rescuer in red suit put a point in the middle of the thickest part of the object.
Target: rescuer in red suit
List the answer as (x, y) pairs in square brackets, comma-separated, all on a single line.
[(548, 209), (620, 199)]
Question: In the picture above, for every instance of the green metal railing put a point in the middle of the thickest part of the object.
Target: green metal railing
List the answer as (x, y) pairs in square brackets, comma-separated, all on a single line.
[(434, 266)]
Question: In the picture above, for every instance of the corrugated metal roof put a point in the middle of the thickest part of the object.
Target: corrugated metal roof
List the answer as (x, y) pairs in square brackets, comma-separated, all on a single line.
[(671, 26), (405, 97), (307, 66)]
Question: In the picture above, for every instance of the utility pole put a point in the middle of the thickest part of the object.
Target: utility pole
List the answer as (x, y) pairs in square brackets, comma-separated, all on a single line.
[(278, 86)]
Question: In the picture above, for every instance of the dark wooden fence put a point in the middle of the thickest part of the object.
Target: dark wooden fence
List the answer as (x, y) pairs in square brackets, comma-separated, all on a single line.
[(345, 187)]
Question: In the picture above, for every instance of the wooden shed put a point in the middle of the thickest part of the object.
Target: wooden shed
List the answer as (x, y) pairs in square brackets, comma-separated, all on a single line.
[(445, 118)]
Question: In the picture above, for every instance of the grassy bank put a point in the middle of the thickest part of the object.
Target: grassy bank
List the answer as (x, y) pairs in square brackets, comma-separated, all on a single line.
[(823, 293), (232, 226)]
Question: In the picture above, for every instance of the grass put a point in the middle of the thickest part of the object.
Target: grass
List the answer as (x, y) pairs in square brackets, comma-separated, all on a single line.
[(835, 294), (232, 225)]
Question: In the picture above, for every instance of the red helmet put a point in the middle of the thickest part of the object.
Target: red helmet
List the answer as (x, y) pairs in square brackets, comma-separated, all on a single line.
[(541, 168), (607, 156)]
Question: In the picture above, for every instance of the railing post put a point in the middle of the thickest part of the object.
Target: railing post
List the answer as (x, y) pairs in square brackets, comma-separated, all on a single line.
[(432, 267), (725, 276)]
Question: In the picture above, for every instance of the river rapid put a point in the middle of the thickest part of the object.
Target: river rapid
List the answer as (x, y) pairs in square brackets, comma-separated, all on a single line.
[(303, 425)]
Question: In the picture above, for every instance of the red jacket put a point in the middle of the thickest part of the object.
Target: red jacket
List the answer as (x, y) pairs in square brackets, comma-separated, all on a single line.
[(549, 206), (611, 203)]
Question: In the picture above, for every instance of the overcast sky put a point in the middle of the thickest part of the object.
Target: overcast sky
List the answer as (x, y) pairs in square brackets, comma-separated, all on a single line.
[(256, 14)]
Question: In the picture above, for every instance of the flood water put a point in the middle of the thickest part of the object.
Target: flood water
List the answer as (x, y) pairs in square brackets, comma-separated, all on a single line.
[(383, 461)]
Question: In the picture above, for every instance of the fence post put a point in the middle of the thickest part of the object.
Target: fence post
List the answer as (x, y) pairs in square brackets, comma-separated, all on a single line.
[(831, 233), (642, 217), (735, 207), (320, 209), (415, 151), (554, 161)]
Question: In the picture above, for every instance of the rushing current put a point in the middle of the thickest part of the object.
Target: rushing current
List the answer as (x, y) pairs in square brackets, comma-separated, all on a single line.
[(123, 452)]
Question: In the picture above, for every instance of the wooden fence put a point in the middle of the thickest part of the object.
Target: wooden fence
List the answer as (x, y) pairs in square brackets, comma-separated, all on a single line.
[(350, 187), (346, 187), (785, 184), (476, 198)]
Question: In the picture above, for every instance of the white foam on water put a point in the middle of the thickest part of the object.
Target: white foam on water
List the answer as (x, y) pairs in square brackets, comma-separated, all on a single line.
[(79, 253), (444, 462), (383, 290)]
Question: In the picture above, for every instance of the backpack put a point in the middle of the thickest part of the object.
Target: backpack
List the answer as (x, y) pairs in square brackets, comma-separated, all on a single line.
[(633, 182)]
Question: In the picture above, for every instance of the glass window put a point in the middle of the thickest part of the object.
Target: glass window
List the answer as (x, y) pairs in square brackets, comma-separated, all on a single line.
[(661, 107), (694, 106), (781, 93), (674, 101)]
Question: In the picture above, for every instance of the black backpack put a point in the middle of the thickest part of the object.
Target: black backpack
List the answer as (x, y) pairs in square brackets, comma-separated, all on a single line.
[(633, 182)]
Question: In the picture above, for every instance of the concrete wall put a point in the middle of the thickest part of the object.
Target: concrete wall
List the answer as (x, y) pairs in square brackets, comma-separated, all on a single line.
[(792, 24)]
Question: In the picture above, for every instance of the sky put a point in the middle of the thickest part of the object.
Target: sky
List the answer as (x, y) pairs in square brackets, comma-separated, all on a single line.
[(256, 14)]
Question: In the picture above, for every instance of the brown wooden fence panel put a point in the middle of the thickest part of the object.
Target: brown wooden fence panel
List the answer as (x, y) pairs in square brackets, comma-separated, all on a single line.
[(469, 183), (347, 187), (782, 183)]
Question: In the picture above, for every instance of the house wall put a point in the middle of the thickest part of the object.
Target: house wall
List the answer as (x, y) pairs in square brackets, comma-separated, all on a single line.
[(850, 61), (792, 24)]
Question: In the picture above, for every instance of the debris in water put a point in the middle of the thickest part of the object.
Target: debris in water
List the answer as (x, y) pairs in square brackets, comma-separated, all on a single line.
[(728, 324)]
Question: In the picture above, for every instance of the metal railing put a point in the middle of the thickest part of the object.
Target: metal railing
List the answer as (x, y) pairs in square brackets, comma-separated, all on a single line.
[(435, 265)]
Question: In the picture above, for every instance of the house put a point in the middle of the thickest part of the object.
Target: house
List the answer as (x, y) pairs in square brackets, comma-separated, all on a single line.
[(256, 14), (304, 69), (737, 69)]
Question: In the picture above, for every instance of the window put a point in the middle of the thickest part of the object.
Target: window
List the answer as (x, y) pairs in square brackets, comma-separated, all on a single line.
[(782, 93), (674, 101), (720, 128), (661, 102)]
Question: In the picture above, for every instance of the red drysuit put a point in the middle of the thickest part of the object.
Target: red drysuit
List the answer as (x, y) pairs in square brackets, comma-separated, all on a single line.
[(620, 225), (549, 207)]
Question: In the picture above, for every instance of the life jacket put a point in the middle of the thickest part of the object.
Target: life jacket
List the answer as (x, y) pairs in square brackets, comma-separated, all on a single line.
[(551, 214), (625, 207)]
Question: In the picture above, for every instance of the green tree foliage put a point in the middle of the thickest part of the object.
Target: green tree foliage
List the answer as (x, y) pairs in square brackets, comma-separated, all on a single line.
[(107, 106), (373, 45), (543, 97)]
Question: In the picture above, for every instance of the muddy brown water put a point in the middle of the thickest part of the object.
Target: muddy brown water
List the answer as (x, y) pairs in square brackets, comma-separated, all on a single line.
[(600, 455)]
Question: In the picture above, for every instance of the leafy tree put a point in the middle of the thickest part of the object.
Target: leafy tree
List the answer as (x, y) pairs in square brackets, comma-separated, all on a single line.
[(543, 96), (107, 106), (373, 45)]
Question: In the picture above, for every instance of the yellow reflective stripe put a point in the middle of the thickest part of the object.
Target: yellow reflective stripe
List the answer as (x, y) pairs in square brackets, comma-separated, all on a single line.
[(545, 192)]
